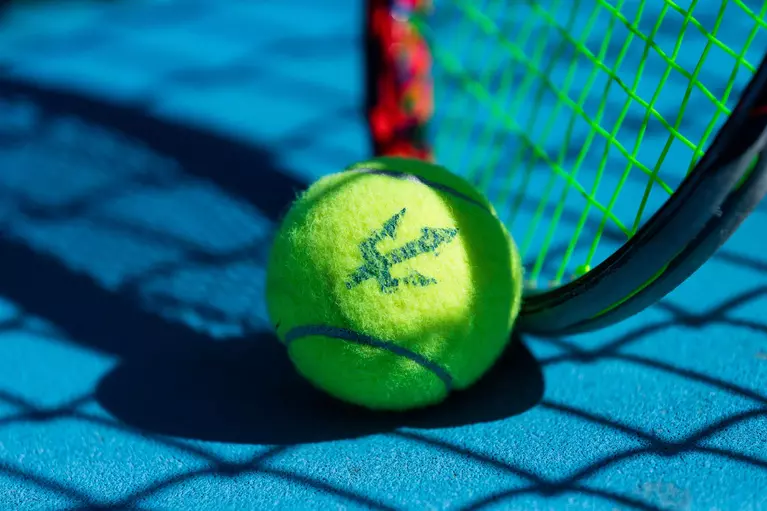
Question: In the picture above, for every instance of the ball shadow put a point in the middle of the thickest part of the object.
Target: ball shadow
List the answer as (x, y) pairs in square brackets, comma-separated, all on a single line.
[(248, 392)]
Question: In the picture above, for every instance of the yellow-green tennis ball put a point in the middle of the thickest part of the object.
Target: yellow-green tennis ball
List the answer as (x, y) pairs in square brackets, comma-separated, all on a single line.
[(393, 283)]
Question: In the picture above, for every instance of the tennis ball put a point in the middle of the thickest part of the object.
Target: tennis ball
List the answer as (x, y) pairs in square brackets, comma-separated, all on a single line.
[(392, 283)]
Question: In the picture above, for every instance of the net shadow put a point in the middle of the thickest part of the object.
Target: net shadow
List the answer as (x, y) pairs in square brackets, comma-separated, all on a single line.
[(178, 380), (244, 171)]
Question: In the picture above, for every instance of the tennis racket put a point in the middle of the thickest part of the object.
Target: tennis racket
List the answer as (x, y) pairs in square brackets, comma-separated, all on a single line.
[(622, 142)]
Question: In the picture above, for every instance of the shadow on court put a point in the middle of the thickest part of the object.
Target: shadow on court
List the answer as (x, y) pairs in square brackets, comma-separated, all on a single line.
[(177, 380), (248, 392)]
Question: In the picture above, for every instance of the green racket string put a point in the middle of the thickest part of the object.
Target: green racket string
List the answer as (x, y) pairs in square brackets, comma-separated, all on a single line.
[(554, 107)]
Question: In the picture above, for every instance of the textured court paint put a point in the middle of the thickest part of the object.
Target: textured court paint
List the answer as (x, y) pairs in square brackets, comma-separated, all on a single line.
[(665, 411)]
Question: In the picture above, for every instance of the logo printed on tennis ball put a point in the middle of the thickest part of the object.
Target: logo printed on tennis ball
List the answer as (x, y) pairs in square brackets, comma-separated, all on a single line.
[(378, 266)]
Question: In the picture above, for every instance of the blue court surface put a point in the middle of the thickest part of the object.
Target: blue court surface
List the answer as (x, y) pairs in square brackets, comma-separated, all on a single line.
[(146, 150)]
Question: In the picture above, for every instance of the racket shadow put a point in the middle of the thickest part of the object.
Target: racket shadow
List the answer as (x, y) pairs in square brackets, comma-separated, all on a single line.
[(248, 392)]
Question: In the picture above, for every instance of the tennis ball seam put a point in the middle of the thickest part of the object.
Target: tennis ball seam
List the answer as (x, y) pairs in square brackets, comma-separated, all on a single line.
[(388, 369), (398, 174), (392, 347), (343, 334)]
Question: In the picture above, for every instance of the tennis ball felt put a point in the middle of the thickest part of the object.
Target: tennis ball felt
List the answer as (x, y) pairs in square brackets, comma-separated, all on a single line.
[(393, 283)]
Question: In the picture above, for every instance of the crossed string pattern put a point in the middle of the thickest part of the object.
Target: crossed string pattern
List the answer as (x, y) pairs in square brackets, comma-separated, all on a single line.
[(89, 203), (565, 102)]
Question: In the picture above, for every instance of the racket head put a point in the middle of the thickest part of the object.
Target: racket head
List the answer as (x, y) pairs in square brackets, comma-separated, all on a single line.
[(620, 142)]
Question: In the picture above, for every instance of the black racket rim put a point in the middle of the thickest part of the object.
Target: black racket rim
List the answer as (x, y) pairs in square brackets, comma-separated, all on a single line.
[(686, 231)]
